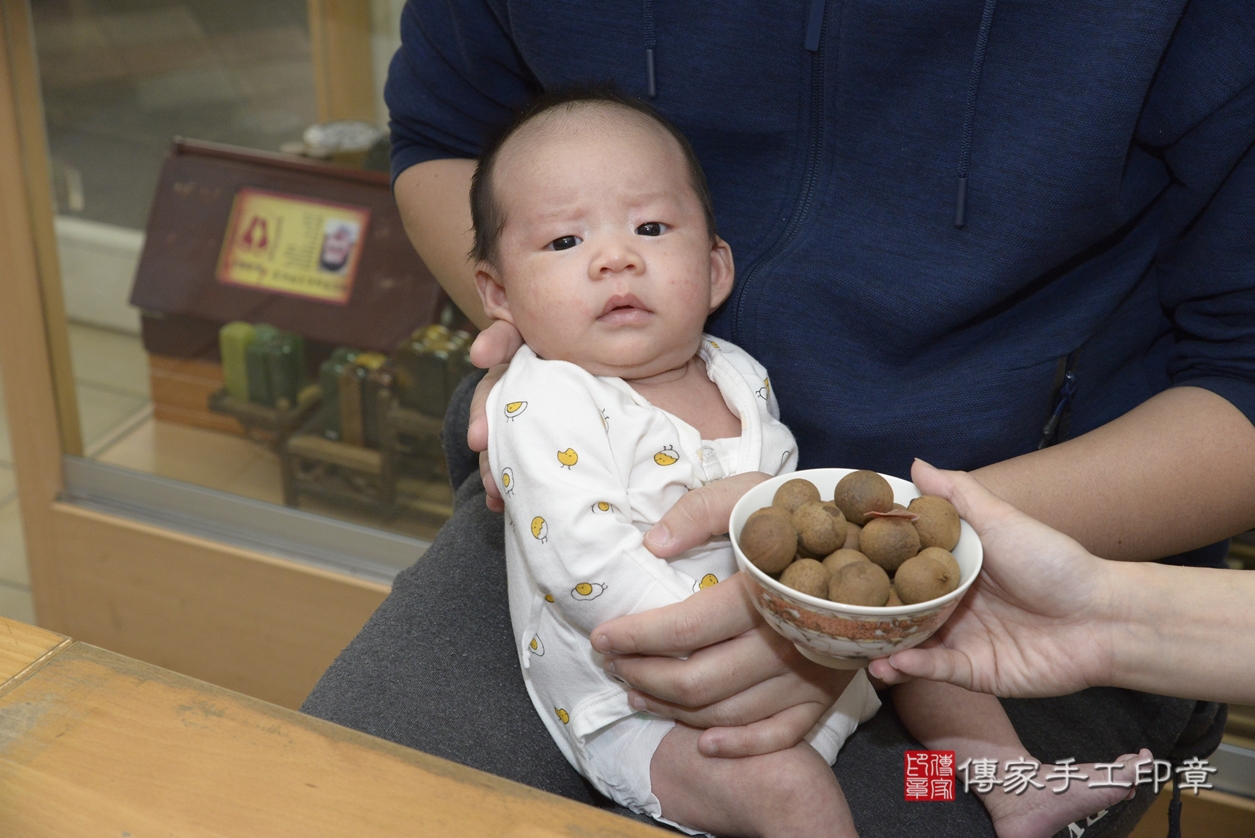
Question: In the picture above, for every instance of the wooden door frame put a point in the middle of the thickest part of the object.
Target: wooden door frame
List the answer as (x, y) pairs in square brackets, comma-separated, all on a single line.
[(340, 46), (244, 620)]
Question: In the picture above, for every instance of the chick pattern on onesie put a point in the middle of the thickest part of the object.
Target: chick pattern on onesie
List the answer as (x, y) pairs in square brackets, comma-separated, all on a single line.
[(586, 465)]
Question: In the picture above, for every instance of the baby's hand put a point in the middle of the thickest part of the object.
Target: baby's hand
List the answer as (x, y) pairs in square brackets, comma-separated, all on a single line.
[(492, 350)]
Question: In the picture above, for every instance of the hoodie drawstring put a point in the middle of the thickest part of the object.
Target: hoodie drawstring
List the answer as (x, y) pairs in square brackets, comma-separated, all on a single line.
[(969, 112), (651, 80)]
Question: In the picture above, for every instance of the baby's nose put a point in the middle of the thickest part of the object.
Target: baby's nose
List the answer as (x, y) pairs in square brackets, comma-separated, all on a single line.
[(616, 257)]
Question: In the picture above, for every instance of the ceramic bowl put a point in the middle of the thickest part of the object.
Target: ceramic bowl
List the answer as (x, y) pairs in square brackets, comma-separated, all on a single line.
[(833, 633)]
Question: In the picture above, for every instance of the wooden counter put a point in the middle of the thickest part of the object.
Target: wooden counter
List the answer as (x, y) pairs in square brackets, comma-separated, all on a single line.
[(94, 743)]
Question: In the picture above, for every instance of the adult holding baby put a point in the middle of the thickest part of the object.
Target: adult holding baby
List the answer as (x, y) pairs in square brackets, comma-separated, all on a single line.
[(1097, 289)]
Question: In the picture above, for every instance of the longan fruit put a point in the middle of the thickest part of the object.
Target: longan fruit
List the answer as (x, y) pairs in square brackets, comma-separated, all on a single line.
[(922, 578), (860, 583), (807, 576), (840, 558), (820, 529), (768, 539), (852, 531), (860, 492), (793, 493), (938, 523), (889, 542), (946, 558)]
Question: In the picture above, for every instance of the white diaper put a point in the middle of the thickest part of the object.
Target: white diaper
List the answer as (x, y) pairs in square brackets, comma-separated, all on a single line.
[(616, 758)]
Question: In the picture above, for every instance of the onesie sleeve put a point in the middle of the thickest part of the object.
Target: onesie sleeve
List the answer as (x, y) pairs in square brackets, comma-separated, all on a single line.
[(563, 471), (455, 79)]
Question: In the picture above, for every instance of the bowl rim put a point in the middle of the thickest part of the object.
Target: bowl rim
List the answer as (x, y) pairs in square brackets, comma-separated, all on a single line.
[(827, 605)]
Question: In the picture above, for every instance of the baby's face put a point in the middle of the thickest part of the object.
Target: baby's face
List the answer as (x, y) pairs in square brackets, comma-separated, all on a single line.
[(604, 260)]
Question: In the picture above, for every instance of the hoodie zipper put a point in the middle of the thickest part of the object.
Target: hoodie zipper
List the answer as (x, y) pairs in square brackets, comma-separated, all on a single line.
[(816, 23), (1061, 404)]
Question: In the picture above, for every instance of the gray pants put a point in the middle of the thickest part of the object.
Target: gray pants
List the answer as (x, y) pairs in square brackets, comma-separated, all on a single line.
[(435, 669)]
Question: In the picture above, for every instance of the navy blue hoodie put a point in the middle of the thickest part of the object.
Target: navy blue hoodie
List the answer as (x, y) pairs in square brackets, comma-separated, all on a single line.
[(951, 219)]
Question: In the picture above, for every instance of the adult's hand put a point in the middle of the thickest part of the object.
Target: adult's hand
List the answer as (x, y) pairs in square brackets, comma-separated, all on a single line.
[(748, 686), (1038, 621), (492, 350), (710, 661), (699, 514)]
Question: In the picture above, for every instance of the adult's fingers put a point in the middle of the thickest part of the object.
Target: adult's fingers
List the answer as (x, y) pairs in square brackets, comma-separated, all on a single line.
[(699, 514), (712, 674), (881, 669), (977, 505), (713, 614), (477, 428), (492, 494), (761, 700), (934, 664), (492, 350), (477, 436), (495, 345), (781, 731)]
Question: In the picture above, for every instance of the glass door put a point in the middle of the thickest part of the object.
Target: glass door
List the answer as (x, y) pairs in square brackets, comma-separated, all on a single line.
[(195, 453)]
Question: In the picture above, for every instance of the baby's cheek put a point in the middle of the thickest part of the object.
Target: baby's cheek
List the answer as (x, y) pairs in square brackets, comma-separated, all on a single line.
[(552, 328)]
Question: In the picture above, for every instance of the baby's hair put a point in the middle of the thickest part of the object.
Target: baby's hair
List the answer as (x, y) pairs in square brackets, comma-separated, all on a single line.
[(487, 216)]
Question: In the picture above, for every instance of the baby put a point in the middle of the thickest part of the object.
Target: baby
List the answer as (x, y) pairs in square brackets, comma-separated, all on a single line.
[(595, 238)]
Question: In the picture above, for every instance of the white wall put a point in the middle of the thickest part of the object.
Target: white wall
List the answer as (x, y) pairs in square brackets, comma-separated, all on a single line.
[(98, 263)]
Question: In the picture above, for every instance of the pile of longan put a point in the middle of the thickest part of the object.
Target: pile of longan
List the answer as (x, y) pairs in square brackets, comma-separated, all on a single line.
[(860, 548)]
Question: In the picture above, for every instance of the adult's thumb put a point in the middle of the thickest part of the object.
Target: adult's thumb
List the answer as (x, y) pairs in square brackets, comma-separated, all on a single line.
[(975, 504)]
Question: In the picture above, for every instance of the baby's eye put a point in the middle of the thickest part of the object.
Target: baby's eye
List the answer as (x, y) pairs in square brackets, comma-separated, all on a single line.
[(651, 228), (564, 243)]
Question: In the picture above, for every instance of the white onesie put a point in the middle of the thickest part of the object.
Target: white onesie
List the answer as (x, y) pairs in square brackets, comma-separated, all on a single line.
[(586, 465)]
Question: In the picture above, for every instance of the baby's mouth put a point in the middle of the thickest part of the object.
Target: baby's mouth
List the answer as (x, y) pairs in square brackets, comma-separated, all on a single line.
[(623, 307)]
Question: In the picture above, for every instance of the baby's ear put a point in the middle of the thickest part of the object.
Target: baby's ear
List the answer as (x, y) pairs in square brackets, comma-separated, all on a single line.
[(492, 292), (722, 272)]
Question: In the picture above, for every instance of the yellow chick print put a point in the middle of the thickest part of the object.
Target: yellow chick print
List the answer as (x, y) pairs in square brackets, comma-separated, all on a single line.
[(605, 420), (537, 648), (507, 480), (563, 715), (601, 508), (548, 597), (713, 345), (540, 530), (513, 409), (568, 458), (585, 591), (764, 391), (666, 456), (705, 582)]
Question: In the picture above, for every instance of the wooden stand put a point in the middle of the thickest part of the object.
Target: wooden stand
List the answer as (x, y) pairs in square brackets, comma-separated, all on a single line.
[(398, 477), (269, 424)]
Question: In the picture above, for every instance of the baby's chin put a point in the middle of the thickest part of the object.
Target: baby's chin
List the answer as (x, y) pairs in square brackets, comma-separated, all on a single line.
[(628, 366)]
